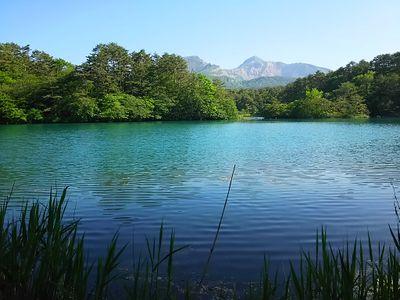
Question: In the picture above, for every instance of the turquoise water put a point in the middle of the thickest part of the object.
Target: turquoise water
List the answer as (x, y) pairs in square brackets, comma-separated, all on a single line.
[(292, 178)]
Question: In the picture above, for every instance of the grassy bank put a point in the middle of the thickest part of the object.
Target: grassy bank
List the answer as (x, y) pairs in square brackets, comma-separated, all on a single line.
[(43, 257)]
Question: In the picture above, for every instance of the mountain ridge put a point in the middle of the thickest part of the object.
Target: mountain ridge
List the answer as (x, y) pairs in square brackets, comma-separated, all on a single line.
[(254, 69)]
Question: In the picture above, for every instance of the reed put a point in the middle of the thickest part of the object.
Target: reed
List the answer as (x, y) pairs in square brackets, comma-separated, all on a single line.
[(147, 280), (42, 256)]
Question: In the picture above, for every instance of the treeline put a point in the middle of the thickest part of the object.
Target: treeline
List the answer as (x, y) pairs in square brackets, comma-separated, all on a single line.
[(357, 90), (111, 85), (116, 85)]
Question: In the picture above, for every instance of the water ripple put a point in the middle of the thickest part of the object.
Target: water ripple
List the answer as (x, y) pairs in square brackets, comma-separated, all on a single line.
[(292, 178)]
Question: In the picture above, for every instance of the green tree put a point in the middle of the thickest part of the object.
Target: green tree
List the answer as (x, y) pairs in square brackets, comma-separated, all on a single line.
[(314, 106), (140, 76), (81, 108), (170, 77), (9, 112), (108, 67), (137, 109), (275, 110), (14, 60), (364, 83), (384, 99), (111, 108), (386, 63), (224, 107), (348, 102)]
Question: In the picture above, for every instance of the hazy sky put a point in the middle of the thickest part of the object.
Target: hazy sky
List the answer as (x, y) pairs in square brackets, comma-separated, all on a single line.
[(326, 33)]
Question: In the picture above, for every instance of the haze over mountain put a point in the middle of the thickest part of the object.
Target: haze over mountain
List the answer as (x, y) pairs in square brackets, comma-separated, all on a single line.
[(254, 72)]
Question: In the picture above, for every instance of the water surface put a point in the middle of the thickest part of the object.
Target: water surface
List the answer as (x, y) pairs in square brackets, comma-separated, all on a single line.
[(292, 178)]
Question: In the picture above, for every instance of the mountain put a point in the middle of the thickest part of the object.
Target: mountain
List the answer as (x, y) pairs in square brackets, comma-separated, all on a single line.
[(253, 72)]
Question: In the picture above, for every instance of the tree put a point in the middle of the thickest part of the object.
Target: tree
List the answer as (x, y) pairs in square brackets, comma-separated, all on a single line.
[(364, 83), (314, 106), (275, 110), (116, 85), (111, 108), (14, 60), (108, 67), (112, 85), (348, 102), (81, 108), (170, 76), (9, 112), (253, 101), (222, 107), (139, 79), (384, 99), (357, 89), (386, 63), (137, 109)]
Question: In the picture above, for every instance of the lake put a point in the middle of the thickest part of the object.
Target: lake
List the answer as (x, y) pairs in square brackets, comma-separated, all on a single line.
[(291, 179)]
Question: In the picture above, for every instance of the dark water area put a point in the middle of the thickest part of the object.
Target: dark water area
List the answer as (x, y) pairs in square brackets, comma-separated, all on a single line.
[(291, 179)]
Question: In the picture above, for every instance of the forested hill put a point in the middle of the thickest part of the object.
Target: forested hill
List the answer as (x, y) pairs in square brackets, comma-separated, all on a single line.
[(112, 85), (357, 90)]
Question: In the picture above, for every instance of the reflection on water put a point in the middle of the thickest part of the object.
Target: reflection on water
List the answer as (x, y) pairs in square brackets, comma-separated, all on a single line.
[(292, 177)]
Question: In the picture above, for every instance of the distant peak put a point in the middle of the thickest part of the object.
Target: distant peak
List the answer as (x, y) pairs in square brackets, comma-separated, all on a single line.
[(254, 71), (253, 60), (254, 57), (196, 64), (193, 57)]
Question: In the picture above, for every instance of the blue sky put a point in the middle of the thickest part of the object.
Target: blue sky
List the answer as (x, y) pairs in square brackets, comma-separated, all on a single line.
[(325, 33)]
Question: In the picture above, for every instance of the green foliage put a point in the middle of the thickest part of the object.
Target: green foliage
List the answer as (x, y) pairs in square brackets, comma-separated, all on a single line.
[(34, 115), (116, 85), (9, 112), (348, 102), (384, 99), (42, 256), (357, 90), (81, 108), (313, 106), (276, 110), (363, 83), (349, 273), (111, 109), (201, 99), (112, 85), (107, 67), (124, 107), (137, 109), (253, 101)]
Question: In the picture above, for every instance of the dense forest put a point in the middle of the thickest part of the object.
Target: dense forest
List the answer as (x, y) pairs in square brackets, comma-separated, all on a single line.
[(111, 85), (357, 90), (116, 85)]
